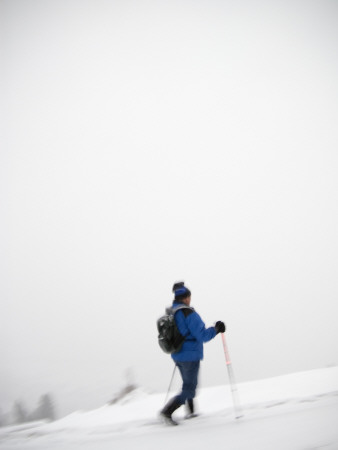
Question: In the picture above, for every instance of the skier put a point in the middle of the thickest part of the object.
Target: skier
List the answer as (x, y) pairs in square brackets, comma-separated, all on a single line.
[(188, 358)]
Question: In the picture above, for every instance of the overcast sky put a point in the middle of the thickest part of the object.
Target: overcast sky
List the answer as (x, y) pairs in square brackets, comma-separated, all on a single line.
[(145, 142)]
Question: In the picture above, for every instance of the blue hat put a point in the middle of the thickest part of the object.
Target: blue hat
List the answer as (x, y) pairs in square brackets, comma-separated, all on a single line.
[(181, 292)]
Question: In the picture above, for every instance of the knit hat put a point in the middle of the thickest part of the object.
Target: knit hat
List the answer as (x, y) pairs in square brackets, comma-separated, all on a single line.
[(181, 292)]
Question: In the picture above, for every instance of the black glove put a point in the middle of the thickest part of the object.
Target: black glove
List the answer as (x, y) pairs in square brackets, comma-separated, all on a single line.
[(220, 327)]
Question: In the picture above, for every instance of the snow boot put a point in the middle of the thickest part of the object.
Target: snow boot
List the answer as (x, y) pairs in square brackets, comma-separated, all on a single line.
[(168, 410), (190, 409)]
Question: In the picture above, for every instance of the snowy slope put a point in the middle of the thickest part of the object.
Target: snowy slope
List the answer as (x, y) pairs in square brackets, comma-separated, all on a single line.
[(297, 411)]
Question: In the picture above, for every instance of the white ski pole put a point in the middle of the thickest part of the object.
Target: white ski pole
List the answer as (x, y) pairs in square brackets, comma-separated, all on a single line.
[(233, 386)]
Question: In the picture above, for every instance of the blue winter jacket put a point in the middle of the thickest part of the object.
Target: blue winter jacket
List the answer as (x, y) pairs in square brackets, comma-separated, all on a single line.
[(193, 328)]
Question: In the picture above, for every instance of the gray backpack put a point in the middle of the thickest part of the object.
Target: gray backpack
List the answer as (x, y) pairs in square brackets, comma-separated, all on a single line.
[(169, 338)]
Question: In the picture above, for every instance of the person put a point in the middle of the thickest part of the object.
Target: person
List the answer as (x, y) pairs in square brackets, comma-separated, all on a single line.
[(188, 358)]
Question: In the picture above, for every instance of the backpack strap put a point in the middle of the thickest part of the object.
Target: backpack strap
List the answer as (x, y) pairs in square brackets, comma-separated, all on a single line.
[(173, 310), (188, 310)]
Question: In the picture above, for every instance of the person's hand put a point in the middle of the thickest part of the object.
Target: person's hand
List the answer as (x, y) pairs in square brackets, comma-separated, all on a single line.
[(220, 327)]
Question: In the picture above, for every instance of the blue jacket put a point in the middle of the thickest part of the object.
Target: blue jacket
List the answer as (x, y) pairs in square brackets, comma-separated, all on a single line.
[(193, 328)]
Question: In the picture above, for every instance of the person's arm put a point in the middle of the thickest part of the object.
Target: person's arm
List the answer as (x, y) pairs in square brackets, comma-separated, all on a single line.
[(198, 330)]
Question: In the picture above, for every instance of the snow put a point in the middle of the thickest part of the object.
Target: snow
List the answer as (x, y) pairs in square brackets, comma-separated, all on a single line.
[(292, 412)]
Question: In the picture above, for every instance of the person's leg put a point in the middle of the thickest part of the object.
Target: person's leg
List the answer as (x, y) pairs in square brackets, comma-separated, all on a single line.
[(189, 371), (168, 410)]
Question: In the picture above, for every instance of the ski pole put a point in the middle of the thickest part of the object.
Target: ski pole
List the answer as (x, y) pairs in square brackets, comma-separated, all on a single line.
[(171, 381), (233, 386)]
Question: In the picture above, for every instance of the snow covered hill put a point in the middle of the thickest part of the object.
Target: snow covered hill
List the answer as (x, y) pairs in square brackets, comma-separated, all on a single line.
[(292, 412)]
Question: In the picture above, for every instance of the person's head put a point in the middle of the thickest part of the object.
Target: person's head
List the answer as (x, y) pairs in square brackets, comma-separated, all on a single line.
[(182, 293)]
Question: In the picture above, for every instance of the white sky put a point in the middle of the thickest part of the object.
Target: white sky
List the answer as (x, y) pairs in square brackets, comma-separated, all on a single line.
[(144, 142)]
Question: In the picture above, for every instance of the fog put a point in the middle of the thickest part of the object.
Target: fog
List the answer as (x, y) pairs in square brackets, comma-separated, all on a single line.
[(146, 142)]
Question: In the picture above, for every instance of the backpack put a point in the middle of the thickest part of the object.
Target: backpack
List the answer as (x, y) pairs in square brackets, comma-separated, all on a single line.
[(169, 338)]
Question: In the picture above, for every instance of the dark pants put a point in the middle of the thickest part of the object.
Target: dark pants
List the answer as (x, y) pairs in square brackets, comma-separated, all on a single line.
[(189, 372)]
